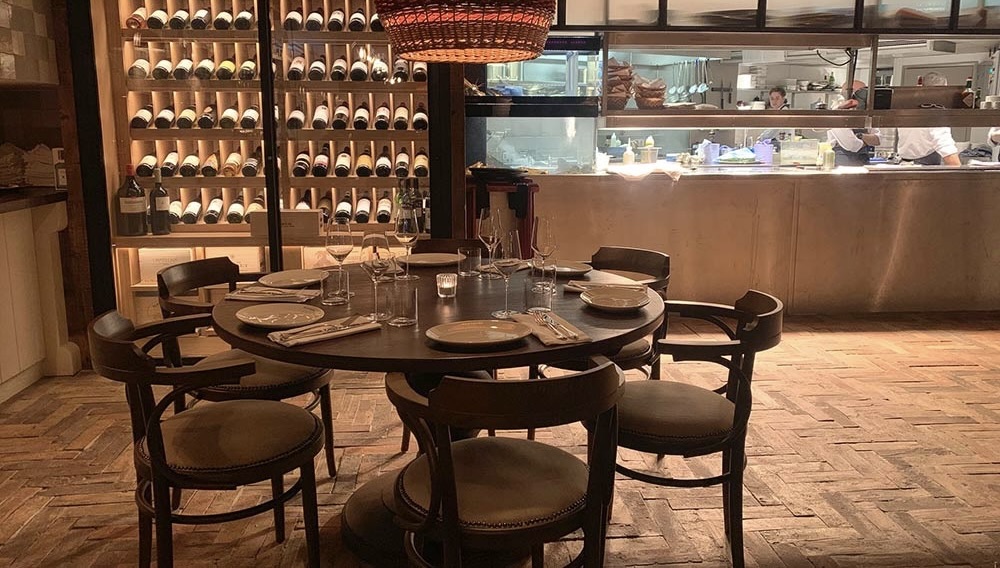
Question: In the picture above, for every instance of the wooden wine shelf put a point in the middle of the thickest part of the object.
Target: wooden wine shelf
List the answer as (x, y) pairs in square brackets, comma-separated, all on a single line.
[(375, 182), (207, 86), (201, 36), (202, 182), (374, 38), (195, 134), (351, 135), (352, 87), (202, 235)]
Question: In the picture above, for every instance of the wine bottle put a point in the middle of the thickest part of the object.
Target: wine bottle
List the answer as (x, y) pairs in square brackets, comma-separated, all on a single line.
[(359, 70), (223, 20), (169, 166), (142, 117), (314, 21), (227, 69), (357, 21), (244, 20), (402, 163), (301, 166), (165, 118), (187, 117), (383, 165), (159, 207), (235, 213), (383, 212), (342, 168), (305, 202), (321, 165), (139, 69), (200, 19), (189, 167), (420, 117), (136, 19), (131, 206), (340, 116), (401, 119), (339, 70), (296, 119), (204, 69), (157, 20), (248, 70), (214, 210), (400, 71), (211, 166), (175, 212), (321, 116), (420, 163), (179, 20), (375, 24), (208, 117), (419, 71), (363, 211), (232, 165), (251, 116), (192, 212), (147, 166), (252, 164), (344, 208), (317, 69), (296, 68), (364, 166), (361, 116), (380, 71), (255, 206), (229, 118), (183, 69), (293, 20), (325, 205), (336, 21), (163, 69)]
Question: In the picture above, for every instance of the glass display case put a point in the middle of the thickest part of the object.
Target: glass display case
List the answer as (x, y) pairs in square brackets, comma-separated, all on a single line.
[(569, 66), (549, 144)]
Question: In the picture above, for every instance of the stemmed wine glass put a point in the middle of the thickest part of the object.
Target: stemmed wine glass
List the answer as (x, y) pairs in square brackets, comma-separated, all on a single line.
[(488, 231), (543, 240), (339, 244), (376, 260), (406, 231), (506, 261)]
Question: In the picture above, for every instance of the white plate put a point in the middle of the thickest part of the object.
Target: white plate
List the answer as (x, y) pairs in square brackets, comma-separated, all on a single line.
[(569, 268), (429, 259), (478, 333), (612, 299), (279, 316), (291, 278)]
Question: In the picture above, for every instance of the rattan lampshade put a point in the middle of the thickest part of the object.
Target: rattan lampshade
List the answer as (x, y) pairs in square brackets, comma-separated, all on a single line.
[(466, 31)]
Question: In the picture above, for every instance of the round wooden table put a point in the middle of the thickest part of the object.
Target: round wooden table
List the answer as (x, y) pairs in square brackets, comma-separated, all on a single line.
[(367, 525)]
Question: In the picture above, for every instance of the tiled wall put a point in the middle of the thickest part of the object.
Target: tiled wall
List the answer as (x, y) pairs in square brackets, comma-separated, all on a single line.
[(27, 51), (30, 116)]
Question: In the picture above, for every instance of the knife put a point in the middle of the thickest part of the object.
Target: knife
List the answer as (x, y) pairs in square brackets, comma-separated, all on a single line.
[(565, 330)]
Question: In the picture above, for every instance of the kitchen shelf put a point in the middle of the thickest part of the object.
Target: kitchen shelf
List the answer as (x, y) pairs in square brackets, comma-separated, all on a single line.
[(353, 87), (736, 40), (195, 134), (955, 118), (201, 36), (192, 85), (683, 118), (351, 135)]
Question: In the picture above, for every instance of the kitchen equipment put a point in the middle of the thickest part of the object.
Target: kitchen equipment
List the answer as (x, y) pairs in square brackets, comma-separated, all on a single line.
[(696, 71), (703, 86)]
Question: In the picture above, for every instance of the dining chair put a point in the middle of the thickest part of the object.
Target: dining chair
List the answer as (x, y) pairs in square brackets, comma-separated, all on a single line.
[(679, 419), (213, 446), (499, 493), (178, 286)]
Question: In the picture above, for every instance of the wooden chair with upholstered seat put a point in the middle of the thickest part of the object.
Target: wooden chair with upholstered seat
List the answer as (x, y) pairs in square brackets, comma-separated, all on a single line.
[(273, 380), (679, 419), (499, 493), (213, 446)]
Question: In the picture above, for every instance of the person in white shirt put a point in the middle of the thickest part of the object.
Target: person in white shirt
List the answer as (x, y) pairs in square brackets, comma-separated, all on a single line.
[(854, 147), (994, 136), (932, 146)]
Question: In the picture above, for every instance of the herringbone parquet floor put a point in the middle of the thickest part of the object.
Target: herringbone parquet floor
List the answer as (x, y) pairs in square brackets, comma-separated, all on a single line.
[(875, 441)]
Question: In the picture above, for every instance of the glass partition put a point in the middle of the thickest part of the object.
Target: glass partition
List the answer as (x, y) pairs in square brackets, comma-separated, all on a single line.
[(802, 14)]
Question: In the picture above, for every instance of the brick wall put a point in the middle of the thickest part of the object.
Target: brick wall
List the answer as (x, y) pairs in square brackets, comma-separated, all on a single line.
[(27, 51)]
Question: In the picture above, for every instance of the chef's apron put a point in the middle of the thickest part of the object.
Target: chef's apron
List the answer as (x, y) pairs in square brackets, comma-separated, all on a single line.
[(860, 158), (932, 159)]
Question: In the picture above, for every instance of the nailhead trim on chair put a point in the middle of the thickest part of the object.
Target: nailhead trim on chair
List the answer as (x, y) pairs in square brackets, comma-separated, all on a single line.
[(643, 434)]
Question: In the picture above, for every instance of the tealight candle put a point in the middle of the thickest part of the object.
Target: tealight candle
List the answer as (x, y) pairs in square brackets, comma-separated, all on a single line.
[(447, 285)]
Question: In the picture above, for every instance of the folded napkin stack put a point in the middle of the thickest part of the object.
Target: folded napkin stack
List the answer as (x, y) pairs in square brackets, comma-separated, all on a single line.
[(266, 294), (11, 165), (323, 331), (553, 330), (38, 167), (583, 286)]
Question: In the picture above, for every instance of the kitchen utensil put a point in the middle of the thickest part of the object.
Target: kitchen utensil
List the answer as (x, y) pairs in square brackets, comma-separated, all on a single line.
[(694, 77), (672, 90), (703, 86), (681, 84)]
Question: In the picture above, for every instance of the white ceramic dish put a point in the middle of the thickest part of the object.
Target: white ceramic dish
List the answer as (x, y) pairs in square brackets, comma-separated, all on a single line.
[(291, 278), (569, 268), (615, 299), (478, 333), (279, 316), (429, 259)]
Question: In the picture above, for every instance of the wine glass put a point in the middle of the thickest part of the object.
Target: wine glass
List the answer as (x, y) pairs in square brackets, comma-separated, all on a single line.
[(488, 231), (376, 260), (506, 261), (406, 231), (339, 244), (543, 240)]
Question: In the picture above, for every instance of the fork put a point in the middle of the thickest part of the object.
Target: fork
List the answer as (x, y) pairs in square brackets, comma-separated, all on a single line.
[(567, 332), (540, 318)]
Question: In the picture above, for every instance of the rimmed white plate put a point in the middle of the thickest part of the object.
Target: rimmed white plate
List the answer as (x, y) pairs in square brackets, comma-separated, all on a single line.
[(429, 259), (614, 299), (279, 316), (570, 268), (478, 333), (291, 278)]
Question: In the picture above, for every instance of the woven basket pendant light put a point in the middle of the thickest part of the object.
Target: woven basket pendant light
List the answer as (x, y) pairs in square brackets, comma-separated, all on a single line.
[(466, 31)]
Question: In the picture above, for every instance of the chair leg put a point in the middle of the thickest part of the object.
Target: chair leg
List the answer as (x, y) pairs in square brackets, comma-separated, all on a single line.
[(404, 446), (726, 457), (277, 488), (310, 513), (533, 373), (164, 524), (538, 556), (175, 498), (145, 540), (326, 410), (734, 514)]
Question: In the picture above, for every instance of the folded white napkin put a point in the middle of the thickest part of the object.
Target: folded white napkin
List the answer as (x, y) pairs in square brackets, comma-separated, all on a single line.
[(547, 335), (266, 294), (323, 331), (583, 286)]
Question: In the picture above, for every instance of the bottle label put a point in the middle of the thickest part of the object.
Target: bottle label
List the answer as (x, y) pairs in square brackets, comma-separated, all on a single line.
[(361, 113), (132, 204), (161, 204), (344, 207), (401, 114), (384, 205)]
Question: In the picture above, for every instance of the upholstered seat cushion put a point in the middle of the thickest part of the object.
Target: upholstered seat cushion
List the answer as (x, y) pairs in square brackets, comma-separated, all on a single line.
[(503, 483), (269, 373), (669, 417), (235, 435)]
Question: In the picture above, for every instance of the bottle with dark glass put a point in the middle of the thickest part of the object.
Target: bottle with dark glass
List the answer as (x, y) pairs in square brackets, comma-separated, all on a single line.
[(321, 165), (136, 19), (183, 69), (208, 117), (244, 19), (223, 20), (157, 20), (375, 23), (315, 19), (227, 69), (179, 20), (420, 71), (305, 202), (252, 164), (302, 162), (251, 116), (341, 116), (401, 118), (342, 168), (163, 69), (321, 116), (339, 70), (296, 118), (248, 70), (296, 69), (293, 20), (364, 166), (131, 206), (142, 117), (421, 165), (235, 213), (383, 165), (192, 212), (256, 206), (205, 69), (363, 211), (165, 118), (359, 70), (139, 69), (232, 165), (317, 69), (361, 116), (200, 19), (325, 205), (176, 210), (420, 117), (147, 166), (189, 167), (400, 70), (159, 207), (380, 71), (187, 117), (211, 166), (229, 118), (214, 210), (344, 208), (383, 116), (402, 163), (383, 212), (336, 21), (358, 21), (169, 166)]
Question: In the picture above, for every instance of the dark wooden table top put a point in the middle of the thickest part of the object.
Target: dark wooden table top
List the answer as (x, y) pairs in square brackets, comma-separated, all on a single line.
[(408, 349)]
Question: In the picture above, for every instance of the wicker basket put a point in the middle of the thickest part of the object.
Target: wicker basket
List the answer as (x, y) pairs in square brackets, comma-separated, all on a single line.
[(467, 31), (617, 103)]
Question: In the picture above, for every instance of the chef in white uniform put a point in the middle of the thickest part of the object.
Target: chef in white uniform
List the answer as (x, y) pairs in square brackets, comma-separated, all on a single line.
[(854, 146), (994, 136), (932, 146)]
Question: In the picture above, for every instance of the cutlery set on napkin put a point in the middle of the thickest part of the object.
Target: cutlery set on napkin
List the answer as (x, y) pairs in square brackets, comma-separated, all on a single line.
[(268, 294), (583, 286), (323, 331), (551, 329)]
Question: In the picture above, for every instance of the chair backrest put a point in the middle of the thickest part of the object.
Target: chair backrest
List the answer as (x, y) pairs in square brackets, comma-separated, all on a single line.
[(186, 277), (112, 351), (763, 331), (446, 245), (654, 264)]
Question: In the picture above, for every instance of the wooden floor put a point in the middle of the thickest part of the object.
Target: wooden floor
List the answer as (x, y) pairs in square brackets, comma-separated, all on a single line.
[(875, 441)]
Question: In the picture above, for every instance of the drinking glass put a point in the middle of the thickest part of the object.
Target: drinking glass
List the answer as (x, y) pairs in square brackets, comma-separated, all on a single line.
[(543, 240), (506, 261), (488, 231), (406, 231), (339, 244), (376, 261)]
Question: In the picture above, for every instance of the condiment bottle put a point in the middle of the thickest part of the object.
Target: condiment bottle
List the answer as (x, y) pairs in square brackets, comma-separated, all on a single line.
[(629, 156)]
